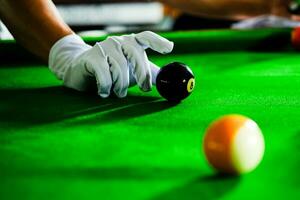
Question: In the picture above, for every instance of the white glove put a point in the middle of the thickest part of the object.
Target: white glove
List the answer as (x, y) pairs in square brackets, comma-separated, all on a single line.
[(266, 21), (115, 63)]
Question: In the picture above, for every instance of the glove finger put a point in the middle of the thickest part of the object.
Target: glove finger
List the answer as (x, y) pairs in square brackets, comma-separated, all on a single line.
[(132, 81), (154, 71), (120, 76), (119, 71), (140, 64), (103, 78), (148, 39)]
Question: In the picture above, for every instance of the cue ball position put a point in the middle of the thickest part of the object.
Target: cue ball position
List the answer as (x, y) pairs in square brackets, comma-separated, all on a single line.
[(234, 144), (175, 82)]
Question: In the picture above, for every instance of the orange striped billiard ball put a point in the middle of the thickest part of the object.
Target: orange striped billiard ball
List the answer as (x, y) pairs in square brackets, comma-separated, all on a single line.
[(234, 144)]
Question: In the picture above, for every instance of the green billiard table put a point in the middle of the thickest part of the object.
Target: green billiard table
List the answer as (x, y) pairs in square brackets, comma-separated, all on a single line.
[(56, 143)]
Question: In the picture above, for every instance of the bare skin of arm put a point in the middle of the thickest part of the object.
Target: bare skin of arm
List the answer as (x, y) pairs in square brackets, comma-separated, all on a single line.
[(34, 23), (230, 9)]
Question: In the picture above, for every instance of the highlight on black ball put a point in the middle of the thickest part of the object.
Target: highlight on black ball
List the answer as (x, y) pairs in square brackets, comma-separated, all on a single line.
[(175, 82)]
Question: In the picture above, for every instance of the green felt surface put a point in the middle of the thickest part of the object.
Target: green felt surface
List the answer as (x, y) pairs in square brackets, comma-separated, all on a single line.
[(60, 144)]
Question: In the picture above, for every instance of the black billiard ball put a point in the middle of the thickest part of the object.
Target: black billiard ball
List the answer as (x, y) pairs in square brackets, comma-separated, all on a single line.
[(175, 81)]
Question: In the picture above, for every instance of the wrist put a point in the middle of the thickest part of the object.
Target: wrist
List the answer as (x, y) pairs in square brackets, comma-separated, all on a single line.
[(63, 52)]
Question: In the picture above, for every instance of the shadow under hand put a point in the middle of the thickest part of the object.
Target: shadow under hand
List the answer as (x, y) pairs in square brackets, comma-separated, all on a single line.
[(207, 187), (44, 105), (144, 173), (128, 111)]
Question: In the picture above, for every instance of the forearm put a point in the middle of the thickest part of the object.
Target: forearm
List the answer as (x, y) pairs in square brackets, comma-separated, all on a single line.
[(34, 23), (231, 9)]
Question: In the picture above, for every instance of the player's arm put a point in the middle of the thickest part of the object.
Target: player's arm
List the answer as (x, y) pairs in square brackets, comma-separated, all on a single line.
[(34, 23), (231, 9)]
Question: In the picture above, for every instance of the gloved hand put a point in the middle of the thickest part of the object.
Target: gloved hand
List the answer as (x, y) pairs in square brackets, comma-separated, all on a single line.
[(115, 63)]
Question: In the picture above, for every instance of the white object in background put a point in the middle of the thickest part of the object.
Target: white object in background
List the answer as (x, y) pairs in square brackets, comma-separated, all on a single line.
[(266, 21), (92, 33), (112, 14), (4, 33)]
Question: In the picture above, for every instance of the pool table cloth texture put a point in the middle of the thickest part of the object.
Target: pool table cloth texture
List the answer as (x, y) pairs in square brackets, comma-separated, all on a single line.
[(56, 143)]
